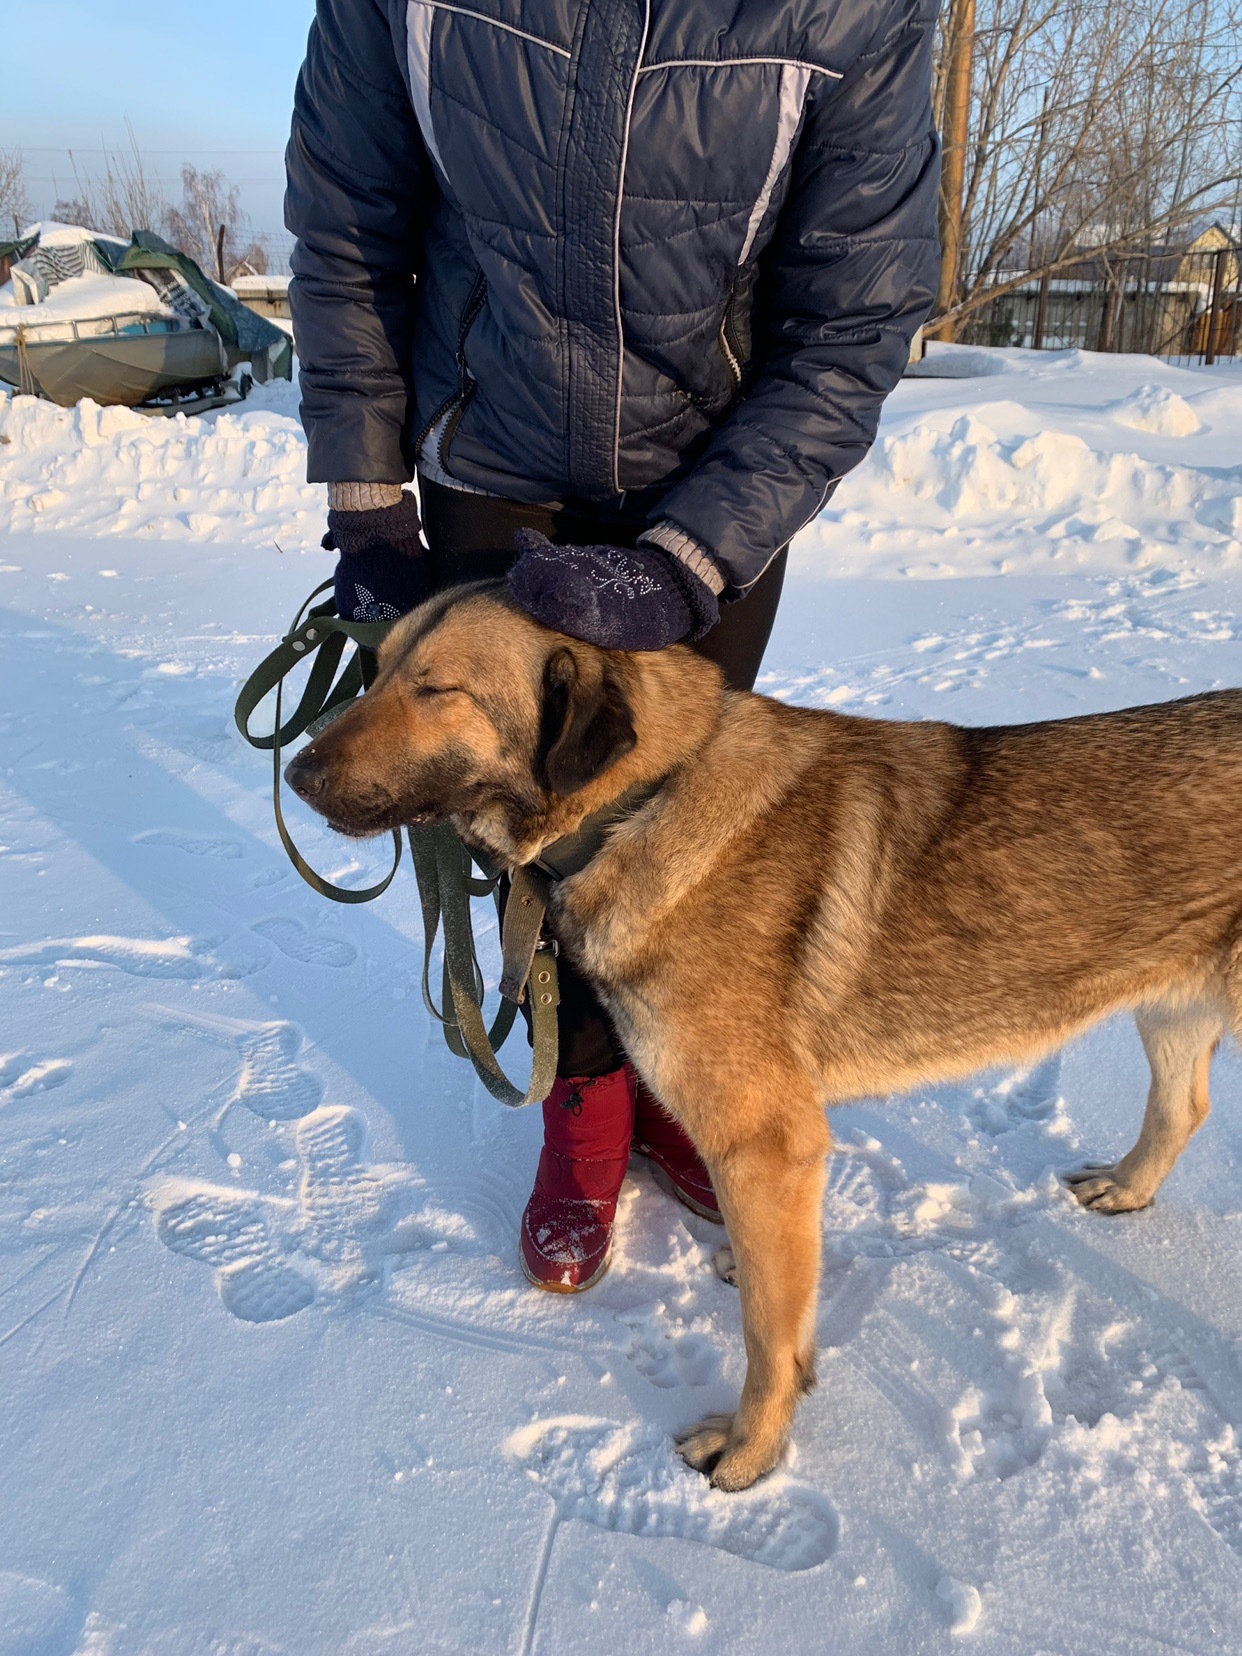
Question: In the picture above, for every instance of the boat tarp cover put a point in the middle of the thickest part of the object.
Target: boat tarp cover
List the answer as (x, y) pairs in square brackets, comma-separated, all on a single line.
[(245, 333), (16, 247)]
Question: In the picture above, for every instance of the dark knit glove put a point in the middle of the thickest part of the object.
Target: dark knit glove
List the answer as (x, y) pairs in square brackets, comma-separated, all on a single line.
[(382, 571), (621, 599)]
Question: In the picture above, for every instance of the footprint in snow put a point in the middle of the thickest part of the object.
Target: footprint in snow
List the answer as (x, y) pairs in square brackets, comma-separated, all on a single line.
[(232, 1232), (1119, 1378), (21, 1075), (309, 949), (274, 1256), (629, 1479), (195, 845), (1028, 1096), (860, 1185), (271, 1083), (666, 1352)]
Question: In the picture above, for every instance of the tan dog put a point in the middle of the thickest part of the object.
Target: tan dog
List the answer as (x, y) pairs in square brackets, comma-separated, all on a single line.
[(814, 908)]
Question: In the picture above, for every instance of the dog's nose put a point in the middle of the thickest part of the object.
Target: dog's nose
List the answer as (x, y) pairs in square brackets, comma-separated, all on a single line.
[(304, 774)]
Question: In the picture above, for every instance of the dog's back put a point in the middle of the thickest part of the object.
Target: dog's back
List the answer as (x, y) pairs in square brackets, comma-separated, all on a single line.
[(988, 891)]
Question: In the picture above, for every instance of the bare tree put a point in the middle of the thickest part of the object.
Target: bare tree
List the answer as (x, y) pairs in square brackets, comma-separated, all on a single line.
[(14, 202), (124, 197), (211, 227), (1093, 126), (72, 210)]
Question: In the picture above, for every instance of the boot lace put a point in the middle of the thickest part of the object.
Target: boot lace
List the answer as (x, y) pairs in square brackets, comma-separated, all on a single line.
[(573, 1102)]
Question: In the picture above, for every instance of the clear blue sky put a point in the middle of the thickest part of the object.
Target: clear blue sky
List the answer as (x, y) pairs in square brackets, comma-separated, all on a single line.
[(210, 84)]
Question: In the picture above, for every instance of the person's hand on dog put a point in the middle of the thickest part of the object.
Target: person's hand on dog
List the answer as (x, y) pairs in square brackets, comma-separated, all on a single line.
[(620, 598), (382, 569)]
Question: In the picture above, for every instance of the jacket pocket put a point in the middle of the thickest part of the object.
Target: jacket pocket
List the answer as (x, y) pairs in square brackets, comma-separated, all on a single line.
[(440, 429)]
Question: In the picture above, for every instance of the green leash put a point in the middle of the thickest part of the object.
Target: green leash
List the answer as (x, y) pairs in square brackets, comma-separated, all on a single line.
[(445, 886), (442, 864), (319, 635)]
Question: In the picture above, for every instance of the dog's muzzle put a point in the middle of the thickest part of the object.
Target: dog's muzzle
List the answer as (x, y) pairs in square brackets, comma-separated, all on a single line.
[(357, 815)]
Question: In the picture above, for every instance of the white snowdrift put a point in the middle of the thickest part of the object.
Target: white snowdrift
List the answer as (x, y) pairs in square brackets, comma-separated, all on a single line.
[(1059, 474), (82, 298), (239, 478)]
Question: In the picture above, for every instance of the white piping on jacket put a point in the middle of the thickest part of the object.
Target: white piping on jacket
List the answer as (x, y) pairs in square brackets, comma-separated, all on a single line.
[(795, 78), (827, 489), (616, 252), (482, 17), (730, 63), (419, 19), (794, 82)]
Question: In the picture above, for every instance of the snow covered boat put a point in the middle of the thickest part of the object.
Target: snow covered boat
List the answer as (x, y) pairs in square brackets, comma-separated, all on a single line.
[(137, 324)]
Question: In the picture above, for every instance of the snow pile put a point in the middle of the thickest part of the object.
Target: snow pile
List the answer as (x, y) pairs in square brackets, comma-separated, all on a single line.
[(82, 298), (235, 477), (983, 472), (1156, 409), (1073, 469), (1046, 478)]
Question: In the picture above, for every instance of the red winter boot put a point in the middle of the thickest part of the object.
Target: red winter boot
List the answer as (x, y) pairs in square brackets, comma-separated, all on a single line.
[(566, 1238), (658, 1136)]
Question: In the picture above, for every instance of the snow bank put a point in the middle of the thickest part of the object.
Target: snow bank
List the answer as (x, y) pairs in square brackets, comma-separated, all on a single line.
[(1083, 462), (1054, 476), (235, 477), (999, 494)]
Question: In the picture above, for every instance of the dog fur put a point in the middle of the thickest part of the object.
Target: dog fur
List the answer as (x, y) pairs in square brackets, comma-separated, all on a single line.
[(814, 908)]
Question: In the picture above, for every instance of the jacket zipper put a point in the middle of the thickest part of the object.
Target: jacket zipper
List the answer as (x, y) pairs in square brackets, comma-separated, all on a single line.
[(448, 415), (448, 430), (729, 346)]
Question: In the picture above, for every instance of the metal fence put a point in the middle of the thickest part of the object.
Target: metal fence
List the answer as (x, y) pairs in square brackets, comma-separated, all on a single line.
[(1187, 307)]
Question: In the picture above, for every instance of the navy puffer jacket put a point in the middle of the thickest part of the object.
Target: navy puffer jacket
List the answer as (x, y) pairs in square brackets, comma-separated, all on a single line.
[(663, 255)]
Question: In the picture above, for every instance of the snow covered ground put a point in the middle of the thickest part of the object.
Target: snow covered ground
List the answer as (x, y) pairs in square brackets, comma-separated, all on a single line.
[(272, 1380)]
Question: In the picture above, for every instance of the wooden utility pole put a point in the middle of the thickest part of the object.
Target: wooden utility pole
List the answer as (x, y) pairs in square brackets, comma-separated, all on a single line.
[(959, 56)]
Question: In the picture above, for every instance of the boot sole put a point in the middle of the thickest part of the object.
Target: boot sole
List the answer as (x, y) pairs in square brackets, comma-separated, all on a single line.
[(565, 1287), (670, 1186)]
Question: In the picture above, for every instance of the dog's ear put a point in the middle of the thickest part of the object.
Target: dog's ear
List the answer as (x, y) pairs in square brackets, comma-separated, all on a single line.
[(586, 725)]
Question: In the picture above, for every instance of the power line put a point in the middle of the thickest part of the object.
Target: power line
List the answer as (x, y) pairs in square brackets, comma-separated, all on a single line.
[(104, 149), (59, 179)]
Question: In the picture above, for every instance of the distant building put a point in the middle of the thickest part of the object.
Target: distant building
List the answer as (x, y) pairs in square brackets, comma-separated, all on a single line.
[(269, 295), (1155, 299)]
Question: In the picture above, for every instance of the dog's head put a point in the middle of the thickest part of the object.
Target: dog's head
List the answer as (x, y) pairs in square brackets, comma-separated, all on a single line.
[(479, 714)]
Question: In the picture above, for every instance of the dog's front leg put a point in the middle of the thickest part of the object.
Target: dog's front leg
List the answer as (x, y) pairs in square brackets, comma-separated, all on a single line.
[(771, 1195)]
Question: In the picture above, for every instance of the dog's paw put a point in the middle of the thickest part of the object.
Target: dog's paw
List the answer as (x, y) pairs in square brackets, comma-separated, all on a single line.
[(701, 1446), (728, 1462), (1100, 1188)]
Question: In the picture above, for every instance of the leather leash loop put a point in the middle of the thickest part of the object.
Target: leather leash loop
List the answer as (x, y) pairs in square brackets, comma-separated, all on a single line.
[(442, 865), (319, 636)]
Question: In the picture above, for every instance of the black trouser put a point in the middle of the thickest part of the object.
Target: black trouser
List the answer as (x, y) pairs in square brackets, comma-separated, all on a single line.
[(471, 539)]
